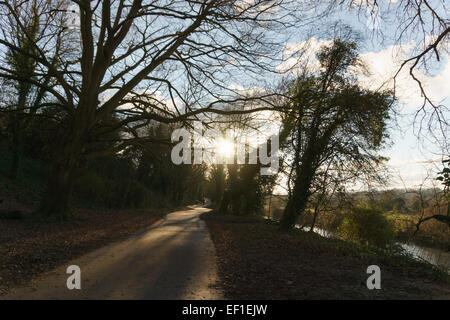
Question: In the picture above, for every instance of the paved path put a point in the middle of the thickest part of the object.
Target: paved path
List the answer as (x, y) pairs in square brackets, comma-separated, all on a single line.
[(172, 259)]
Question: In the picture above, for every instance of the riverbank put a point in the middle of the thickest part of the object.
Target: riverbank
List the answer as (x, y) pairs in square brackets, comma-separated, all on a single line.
[(436, 256), (432, 233), (256, 261)]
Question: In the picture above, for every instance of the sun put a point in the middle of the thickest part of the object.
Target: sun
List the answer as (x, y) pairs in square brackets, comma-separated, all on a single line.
[(225, 148)]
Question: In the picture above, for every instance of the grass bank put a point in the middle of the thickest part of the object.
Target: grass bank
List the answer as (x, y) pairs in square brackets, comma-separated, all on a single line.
[(256, 261)]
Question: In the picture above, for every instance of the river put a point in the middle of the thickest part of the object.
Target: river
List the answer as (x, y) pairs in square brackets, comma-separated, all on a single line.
[(434, 256)]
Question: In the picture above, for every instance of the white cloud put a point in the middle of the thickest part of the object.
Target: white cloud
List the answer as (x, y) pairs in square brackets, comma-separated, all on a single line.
[(299, 55), (384, 64), (406, 157), (256, 6)]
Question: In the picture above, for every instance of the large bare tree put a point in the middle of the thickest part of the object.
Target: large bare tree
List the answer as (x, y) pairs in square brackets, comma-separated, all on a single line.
[(425, 25), (138, 61)]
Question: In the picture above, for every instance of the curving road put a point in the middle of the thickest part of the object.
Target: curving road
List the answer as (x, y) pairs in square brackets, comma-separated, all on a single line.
[(172, 259)]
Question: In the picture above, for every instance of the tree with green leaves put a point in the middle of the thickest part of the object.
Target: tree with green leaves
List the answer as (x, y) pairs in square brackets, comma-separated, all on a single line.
[(331, 121), (444, 177)]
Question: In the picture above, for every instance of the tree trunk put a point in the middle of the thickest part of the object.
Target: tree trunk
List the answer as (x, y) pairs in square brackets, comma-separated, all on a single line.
[(234, 194), (297, 201), (296, 205), (17, 132), (313, 223), (270, 206), (289, 216), (55, 204), (224, 203), (16, 149), (220, 185)]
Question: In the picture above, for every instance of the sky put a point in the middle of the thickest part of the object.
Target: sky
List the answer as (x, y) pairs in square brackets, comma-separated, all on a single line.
[(413, 155), (410, 157)]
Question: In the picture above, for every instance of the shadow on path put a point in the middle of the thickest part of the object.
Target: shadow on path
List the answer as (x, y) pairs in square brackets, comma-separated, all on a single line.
[(172, 259)]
